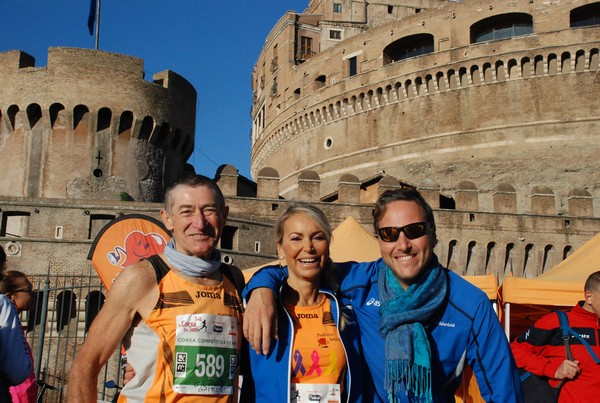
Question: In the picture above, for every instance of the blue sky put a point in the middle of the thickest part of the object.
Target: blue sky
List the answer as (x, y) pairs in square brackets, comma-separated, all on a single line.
[(213, 44)]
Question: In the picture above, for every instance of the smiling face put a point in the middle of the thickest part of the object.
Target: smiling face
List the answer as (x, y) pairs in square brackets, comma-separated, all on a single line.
[(305, 248), (196, 220), (406, 257)]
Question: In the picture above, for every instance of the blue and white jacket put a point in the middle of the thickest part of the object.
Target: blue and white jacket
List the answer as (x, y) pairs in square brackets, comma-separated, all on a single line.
[(268, 377), (465, 332)]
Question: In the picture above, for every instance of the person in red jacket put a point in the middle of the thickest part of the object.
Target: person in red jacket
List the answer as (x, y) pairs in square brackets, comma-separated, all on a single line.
[(541, 351)]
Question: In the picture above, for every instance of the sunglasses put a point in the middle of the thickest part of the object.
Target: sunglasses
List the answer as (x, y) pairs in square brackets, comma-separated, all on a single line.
[(28, 290), (411, 231)]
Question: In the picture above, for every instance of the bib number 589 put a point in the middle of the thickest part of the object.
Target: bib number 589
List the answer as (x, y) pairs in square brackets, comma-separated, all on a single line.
[(209, 365)]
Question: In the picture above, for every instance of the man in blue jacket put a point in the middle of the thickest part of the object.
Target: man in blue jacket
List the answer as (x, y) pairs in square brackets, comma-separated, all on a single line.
[(420, 324)]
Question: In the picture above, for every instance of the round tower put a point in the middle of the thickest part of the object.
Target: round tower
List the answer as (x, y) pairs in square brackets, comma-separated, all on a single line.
[(479, 91), (89, 126)]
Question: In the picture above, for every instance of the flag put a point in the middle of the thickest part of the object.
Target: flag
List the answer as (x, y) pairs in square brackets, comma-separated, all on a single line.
[(92, 16), (124, 241)]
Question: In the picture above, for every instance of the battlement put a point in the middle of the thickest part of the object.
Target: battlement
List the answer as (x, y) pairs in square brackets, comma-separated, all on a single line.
[(104, 129)]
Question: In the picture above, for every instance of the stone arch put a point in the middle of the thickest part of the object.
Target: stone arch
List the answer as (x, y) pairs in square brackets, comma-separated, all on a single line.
[(451, 261), (508, 266), (538, 66), (529, 269), (452, 79), (500, 72), (441, 81), (147, 128), (580, 62), (161, 137), (11, 112), (80, 112), (513, 69), (489, 257), (93, 303), (104, 118), (488, 73), (548, 258), (463, 77), (525, 67), (594, 62), (66, 308), (34, 114), (430, 84), (565, 62), (475, 75), (552, 64), (54, 110), (125, 122)]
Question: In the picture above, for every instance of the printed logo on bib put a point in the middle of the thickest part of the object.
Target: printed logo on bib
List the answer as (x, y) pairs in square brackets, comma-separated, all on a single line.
[(312, 392), (205, 354)]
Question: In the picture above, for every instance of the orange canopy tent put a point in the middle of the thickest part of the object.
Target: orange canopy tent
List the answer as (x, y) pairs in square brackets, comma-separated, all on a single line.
[(526, 299)]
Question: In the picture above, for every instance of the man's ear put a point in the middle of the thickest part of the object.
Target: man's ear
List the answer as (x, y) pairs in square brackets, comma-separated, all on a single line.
[(166, 219), (588, 296)]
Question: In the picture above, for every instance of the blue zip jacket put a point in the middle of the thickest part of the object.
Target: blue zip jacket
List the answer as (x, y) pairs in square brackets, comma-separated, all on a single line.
[(466, 332), (268, 377)]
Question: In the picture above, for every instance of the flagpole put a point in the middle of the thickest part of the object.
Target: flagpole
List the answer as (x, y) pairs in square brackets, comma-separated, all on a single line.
[(97, 23)]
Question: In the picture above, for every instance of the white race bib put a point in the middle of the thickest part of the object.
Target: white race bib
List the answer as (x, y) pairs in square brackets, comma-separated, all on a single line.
[(315, 393), (205, 354)]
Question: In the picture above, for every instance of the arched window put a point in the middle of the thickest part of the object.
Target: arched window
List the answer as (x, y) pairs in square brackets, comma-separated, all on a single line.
[(585, 16), (93, 303), (488, 257), (502, 26), (66, 309), (410, 46), (508, 264)]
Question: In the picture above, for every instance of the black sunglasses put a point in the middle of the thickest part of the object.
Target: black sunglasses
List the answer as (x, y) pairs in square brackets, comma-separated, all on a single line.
[(28, 289), (411, 231)]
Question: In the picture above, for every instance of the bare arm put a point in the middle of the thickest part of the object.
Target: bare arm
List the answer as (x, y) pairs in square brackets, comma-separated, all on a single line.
[(260, 320), (131, 293)]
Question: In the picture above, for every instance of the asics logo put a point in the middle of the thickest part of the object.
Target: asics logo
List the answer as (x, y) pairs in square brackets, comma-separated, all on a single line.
[(374, 302)]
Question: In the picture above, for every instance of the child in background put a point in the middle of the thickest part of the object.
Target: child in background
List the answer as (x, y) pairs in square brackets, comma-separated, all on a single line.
[(17, 287)]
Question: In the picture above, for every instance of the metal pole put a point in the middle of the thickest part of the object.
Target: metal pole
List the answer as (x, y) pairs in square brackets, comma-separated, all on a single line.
[(97, 23), (43, 320)]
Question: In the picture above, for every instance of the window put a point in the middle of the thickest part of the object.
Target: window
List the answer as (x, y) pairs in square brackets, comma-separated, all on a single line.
[(410, 46), (335, 34), (352, 66), (502, 26), (585, 16), (337, 8), (390, 9), (15, 224), (305, 47), (97, 222)]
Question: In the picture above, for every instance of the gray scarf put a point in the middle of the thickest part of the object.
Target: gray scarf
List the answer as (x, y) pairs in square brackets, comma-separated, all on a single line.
[(190, 265)]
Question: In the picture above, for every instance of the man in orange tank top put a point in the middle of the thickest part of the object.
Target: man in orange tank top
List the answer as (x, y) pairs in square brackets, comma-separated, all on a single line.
[(178, 314)]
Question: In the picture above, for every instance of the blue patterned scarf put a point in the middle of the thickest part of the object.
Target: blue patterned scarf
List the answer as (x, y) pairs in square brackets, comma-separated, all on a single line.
[(401, 317)]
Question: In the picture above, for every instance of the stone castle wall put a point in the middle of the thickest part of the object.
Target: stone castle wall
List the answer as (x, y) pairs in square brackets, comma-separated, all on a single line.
[(55, 235), (521, 111), (89, 126)]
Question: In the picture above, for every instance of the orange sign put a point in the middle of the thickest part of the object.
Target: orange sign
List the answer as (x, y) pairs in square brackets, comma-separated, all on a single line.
[(124, 241)]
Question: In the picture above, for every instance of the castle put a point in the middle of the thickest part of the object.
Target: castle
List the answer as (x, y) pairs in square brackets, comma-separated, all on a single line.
[(489, 109)]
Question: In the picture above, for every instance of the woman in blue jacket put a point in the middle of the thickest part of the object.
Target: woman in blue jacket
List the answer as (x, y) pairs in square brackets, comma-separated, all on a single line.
[(315, 356)]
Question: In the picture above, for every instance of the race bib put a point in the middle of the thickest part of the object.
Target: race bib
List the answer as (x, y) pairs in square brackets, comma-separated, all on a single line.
[(205, 354), (314, 392)]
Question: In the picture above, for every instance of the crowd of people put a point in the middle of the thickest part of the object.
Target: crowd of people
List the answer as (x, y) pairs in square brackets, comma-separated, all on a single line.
[(401, 328)]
